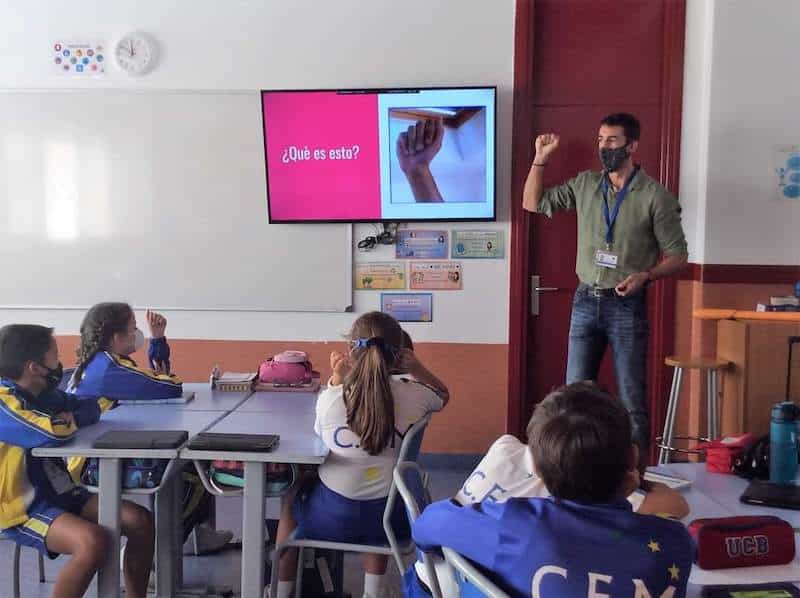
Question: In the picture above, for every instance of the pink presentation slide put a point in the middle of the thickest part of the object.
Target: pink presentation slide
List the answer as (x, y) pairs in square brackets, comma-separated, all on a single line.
[(322, 153)]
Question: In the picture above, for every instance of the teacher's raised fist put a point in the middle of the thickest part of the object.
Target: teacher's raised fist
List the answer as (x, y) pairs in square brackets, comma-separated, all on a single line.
[(545, 145)]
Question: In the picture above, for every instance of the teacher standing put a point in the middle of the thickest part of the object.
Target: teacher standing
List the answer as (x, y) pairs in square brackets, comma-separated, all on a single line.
[(629, 234)]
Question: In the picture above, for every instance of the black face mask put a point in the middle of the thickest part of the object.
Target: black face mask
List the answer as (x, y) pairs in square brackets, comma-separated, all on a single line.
[(612, 158), (53, 376)]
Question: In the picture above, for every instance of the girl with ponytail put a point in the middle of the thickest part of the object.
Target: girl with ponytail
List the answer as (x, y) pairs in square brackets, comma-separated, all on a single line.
[(378, 390), (105, 368)]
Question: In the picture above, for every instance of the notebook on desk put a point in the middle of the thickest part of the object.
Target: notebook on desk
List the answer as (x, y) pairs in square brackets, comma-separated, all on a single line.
[(772, 495), (219, 441), (670, 481), (141, 439)]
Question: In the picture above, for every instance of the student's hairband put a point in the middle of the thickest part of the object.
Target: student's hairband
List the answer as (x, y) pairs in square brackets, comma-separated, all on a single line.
[(375, 341)]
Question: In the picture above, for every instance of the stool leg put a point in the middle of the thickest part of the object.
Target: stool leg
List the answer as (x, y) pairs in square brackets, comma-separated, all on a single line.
[(709, 406), (41, 569), (713, 390), (665, 456), (662, 453)]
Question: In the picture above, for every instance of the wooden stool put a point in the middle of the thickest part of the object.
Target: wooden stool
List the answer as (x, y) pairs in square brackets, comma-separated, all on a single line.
[(711, 365)]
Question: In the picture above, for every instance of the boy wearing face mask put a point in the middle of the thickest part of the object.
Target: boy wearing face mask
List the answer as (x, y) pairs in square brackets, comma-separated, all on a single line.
[(40, 506), (629, 234)]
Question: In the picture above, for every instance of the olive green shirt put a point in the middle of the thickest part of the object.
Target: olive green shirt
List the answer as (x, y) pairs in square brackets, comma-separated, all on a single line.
[(648, 225)]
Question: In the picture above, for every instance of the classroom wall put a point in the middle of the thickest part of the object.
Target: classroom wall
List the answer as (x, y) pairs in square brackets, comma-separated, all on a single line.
[(208, 45), (739, 103)]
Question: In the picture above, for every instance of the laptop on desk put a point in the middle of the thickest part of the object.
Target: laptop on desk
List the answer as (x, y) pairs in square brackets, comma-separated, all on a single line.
[(765, 494)]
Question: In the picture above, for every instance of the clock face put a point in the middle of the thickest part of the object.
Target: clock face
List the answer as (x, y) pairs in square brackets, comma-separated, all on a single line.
[(135, 54)]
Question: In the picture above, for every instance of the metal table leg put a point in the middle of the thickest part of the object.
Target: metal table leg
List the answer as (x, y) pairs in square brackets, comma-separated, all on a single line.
[(108, 517), (253, 531)]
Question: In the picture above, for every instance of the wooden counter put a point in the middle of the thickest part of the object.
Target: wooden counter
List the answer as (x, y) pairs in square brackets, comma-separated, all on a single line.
[(758, 349)]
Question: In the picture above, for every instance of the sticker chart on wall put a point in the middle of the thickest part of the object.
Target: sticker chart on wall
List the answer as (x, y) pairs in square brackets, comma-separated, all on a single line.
[(440, 276), (421, 244), (478, 244), (79, 59), (408, 307), (787, 171), (380, 275)]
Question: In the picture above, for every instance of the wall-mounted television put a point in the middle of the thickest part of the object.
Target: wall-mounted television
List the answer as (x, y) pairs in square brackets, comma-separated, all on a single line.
[(380, 155)]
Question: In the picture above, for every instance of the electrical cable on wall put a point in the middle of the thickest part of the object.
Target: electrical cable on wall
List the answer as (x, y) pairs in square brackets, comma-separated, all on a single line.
[(386, 237)]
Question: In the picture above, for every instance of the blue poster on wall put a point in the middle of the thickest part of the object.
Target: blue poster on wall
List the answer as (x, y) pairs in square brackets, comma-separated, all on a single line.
[(421, 244)]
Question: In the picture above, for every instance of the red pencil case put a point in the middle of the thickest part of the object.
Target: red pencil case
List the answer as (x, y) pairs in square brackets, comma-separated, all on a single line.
[(748, 541)]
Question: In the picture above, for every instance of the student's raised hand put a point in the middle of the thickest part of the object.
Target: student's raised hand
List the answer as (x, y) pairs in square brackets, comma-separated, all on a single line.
[(417, 146), (545, 145), (157, 323), (340, 364)]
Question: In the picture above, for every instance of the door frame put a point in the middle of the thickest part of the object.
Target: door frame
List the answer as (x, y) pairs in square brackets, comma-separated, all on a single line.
[(663, 292)]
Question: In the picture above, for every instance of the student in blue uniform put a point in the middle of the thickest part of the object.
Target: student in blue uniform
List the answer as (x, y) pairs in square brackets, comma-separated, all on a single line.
[(585, 540), (109, 336), (40, 506)]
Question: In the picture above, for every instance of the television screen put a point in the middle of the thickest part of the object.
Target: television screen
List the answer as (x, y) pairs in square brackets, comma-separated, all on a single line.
[(377, 155)]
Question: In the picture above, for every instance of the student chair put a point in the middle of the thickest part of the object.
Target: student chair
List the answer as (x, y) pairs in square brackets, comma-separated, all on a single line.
[(473, 582), (406, 475), (15, 566), (410, 446)]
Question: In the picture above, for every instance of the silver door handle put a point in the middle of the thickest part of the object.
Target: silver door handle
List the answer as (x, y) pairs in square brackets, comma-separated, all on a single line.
[(535, 290)]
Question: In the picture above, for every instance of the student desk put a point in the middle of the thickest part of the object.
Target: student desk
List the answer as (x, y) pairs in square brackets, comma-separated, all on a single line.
[(136, 417), (717, 495), (291, 415), (290, 403)]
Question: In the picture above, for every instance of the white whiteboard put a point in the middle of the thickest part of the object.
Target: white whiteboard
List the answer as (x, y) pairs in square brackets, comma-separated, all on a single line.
[(155, 198)]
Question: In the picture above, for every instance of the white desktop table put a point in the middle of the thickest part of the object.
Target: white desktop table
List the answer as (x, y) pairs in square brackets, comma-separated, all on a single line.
[(717, 495), (291, 403), (135, 417), (290, 415)]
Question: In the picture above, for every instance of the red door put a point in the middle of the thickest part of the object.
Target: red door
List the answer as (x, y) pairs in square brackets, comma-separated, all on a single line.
[(586, 59)]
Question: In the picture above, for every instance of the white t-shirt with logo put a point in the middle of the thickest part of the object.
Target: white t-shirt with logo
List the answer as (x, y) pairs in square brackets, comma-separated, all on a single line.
[(350, 470), (507, 471)]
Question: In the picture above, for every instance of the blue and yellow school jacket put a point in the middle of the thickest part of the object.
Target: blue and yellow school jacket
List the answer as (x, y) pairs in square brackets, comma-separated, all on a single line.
[(118, 377), (25, 423), (542, 547)]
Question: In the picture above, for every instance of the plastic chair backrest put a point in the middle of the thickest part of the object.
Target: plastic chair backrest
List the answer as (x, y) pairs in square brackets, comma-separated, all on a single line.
[(415, 504), (412, 438), (474, 580)]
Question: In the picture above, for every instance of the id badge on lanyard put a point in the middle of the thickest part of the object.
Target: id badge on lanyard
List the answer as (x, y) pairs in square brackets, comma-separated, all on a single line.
[(606, 258)]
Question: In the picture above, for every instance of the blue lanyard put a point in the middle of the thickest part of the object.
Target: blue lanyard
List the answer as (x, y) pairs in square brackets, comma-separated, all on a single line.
[(612, 217)]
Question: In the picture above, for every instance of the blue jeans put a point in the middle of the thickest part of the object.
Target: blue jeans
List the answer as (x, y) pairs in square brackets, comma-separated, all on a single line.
[(622, 323)]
